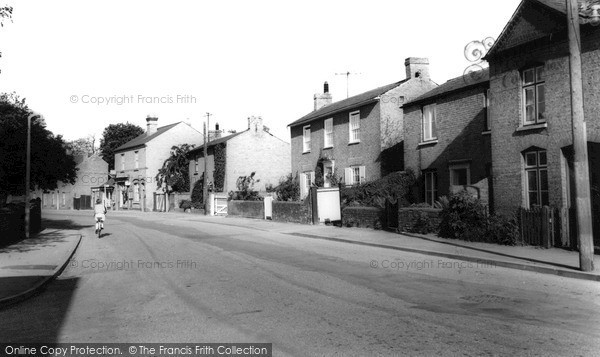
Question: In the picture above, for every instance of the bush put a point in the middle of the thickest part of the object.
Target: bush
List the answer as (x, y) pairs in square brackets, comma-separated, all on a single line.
[(394, 187), (423, 224), (503, 230), (185, 204), (198, 193), (245, 189), (288, 188), (463, 218)]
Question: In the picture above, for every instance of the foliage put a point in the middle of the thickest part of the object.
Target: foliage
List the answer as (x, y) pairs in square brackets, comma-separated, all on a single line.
[(82, 146), (185, 204), (245, 189), (319, 180), (288, 188), (464, 218), (423, 224), (220, 160), (394, 187), (114, 136), (175, 170), (5, 14), (50, 162), (198, 193)]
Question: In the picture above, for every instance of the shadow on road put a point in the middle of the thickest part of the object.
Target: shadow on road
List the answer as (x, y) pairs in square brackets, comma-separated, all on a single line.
[(63, 224), (38, 319)]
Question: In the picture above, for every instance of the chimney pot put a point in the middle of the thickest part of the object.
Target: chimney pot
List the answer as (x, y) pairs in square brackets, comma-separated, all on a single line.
[(151, 124), (325, 87), (321, 100)]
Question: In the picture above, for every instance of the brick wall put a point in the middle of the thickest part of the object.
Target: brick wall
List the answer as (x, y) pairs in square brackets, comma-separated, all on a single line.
[(363, 217), (460, 122), (247, 209), (296, 212), (409, 216), (508, 142)]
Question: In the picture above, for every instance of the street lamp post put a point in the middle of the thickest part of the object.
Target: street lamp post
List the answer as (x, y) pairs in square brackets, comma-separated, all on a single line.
[(585, 239)]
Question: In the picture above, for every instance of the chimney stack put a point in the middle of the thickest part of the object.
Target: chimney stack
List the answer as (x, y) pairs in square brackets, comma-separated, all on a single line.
[(217, 131), (151, 124), (322, 100), (417, 67), (255, 124)]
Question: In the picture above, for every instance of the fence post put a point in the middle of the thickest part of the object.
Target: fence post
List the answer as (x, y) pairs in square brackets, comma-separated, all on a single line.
[(313, 202), (545, 218)]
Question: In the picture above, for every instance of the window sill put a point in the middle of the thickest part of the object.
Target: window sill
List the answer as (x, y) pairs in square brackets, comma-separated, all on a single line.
[(428, 142), (328, 147), (354, 142), (532, 127), (305, 152), (487, 132)]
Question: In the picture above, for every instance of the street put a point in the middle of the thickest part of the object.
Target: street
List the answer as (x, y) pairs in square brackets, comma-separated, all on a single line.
[(170, 278)]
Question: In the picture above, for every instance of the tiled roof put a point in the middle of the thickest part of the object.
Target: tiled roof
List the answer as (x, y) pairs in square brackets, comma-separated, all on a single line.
[(453, 85), (216, 141), (346, 104), (143, 139)]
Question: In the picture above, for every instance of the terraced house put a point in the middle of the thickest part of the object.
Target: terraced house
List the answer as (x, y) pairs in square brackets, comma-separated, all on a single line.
[(357, 139), (530, 94), (447, 138)]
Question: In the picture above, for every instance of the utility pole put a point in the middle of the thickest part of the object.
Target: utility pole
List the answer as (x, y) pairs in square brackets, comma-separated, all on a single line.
[(580, 154), (28, 175), (205, 183), (347, 74)]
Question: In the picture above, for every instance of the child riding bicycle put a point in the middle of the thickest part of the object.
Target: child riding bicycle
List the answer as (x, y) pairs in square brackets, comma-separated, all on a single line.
[(99, 215)]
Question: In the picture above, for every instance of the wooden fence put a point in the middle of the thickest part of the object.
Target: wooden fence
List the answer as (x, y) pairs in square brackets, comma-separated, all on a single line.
[(539, 226)]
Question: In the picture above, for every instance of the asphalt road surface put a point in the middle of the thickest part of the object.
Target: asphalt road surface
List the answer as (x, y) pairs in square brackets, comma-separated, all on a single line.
[(160, 278)]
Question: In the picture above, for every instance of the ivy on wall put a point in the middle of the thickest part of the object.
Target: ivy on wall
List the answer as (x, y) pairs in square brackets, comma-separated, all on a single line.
[(219, 173)]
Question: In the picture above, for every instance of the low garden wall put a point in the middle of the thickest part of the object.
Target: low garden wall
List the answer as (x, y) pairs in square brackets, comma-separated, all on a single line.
[(296, 212), (419, 219), (247, 209), (363, 217)]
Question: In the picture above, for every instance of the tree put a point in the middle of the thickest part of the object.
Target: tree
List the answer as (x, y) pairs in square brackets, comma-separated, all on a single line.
[(5, 14), (82, 146), (114, 136), (50, 162), (175, 170)]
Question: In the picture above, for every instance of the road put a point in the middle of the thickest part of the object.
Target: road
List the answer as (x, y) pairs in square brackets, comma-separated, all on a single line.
[(167, 278)]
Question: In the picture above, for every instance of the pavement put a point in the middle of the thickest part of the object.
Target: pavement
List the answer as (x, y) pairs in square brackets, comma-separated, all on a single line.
[(27, 266)]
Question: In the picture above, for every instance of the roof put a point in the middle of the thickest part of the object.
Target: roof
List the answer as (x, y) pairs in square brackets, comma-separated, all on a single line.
[(558, 7), (143, 139), (463, 82), (217, 141), (346, 104)]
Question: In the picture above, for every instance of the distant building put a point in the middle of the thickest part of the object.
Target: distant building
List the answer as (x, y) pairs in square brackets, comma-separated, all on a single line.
[(359, 138), (240, 154), (92, 171), (137, 162)]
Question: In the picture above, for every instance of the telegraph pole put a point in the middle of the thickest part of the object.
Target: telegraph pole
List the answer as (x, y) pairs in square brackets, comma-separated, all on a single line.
[(28, 175), (205, 183), (580, 154)]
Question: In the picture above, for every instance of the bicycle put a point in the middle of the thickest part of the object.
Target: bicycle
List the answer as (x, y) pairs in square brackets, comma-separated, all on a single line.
[(99, 226)]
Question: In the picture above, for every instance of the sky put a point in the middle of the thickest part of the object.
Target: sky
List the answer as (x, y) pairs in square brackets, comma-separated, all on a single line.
[(86, 64)]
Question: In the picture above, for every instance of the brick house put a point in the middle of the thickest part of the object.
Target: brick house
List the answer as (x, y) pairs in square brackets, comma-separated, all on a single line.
[(92, 171), (137, 162), (531, 109), (359, 138), (447, 138), (240, 154)]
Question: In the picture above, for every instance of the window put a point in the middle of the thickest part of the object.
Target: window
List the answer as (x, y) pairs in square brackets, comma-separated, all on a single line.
[(534, 96), (137, 158), (354, 134), (328, 133), (136, 192), (536, 174), (64, 198), (431, 187), (460, 174), (196, 166), (486, 104), (355, 175), (306, 181), (428, 124), (122, 162), (306, 139)]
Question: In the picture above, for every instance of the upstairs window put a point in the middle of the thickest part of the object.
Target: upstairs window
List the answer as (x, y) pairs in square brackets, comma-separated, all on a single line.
[(328, 133), (486, 103), (534, 96), (196, 165), (428, 123), (354, 134), (137, 160), (306, 139), (122, 162)]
